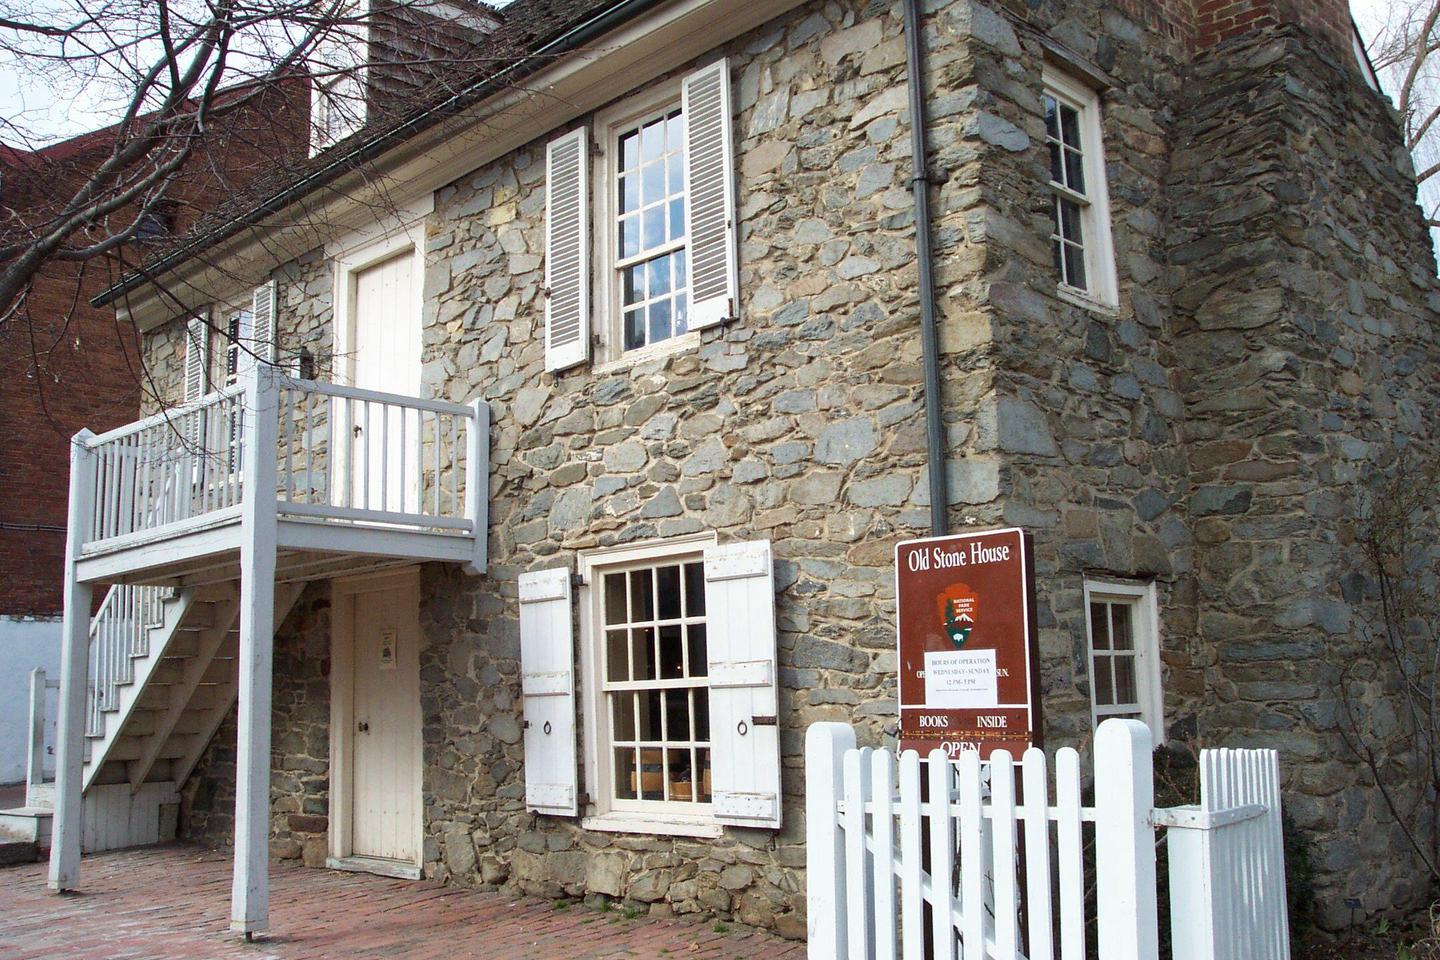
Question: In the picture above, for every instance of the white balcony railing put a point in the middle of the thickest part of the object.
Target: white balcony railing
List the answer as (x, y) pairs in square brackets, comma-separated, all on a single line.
[(338, 454)]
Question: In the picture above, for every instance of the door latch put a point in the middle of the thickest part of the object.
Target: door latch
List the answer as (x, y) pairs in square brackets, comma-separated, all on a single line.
[(764, 721)]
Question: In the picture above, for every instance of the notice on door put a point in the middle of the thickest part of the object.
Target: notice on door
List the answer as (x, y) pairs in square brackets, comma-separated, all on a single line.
[(966, 638)]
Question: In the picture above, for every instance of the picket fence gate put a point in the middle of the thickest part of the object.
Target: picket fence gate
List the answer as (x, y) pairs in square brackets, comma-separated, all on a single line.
[(1021, 892)]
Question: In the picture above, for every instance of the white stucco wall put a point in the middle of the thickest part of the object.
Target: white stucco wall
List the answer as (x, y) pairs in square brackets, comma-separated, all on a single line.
[(25, 643)]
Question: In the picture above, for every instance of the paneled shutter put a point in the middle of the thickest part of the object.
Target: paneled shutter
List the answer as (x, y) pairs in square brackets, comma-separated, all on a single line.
[(547, 682), (262, 312), (740, 629), (710, 196), (197, 357), (567, 251)]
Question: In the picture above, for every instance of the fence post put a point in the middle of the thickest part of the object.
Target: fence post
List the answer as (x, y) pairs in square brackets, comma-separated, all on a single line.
[(825, 747), (1125, 842), (35, 755)]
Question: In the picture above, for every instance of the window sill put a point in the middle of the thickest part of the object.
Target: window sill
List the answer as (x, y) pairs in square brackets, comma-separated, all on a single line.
[(676, 826), (1080, 298), (649, 354)]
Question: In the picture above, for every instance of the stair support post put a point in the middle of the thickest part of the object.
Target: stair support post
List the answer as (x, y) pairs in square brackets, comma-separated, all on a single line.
[(74, 665), (250, 890)]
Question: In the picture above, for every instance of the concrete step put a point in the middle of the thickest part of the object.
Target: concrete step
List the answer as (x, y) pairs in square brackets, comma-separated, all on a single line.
[(15, 852)]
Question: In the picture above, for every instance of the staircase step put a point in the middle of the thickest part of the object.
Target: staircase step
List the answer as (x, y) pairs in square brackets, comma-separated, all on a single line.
[(26, 825), (169, 671), (131, 748), (15, 852)]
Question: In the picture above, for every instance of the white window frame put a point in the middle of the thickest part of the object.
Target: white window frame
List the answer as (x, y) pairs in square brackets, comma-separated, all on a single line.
[(609, 329), (1095, 202), (1145, 627), (675, 818)]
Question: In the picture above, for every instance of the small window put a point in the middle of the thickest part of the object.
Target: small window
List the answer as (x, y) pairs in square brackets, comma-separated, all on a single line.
[(153, 226), (1080, 238), (1123, 633)]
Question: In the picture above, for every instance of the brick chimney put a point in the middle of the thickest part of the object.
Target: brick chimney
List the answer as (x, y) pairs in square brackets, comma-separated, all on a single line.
[(1218, 20)]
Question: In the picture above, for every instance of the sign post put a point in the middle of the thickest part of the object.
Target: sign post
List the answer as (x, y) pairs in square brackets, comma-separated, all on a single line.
[(968, 661)]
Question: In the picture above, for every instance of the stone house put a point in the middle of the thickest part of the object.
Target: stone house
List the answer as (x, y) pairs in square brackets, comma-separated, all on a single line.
[(1184, 303)]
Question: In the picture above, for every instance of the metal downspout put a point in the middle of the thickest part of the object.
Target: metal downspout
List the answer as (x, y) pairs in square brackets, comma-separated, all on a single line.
[(929, 331)]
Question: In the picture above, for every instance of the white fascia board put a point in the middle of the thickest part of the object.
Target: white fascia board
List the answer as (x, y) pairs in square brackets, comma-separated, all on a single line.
[(577, 83)]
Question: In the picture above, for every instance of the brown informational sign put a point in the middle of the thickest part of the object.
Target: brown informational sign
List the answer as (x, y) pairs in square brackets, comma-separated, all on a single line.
[(966, 622)]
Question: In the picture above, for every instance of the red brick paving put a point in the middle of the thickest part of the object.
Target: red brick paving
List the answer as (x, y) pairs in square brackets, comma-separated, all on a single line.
[(173, 902)]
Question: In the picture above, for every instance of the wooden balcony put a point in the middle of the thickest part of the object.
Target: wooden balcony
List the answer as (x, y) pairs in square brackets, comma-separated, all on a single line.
[(358, 480)]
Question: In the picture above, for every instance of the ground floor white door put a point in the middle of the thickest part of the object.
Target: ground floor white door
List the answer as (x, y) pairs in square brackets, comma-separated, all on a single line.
[(384, 727)]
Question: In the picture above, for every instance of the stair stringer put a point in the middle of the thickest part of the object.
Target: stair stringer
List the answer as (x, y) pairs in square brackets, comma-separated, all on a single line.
[(128, 694)]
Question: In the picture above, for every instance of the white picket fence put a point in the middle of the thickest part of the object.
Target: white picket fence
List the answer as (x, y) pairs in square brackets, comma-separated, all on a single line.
[(1012, 862)]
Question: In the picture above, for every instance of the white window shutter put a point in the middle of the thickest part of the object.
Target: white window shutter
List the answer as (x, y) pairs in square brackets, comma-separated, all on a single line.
[(262, 312), (197, 357), (547, 683), (567, 251), (744, 701), (710, 196)]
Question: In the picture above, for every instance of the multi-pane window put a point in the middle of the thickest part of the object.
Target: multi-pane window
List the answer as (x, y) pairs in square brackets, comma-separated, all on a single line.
[(1124, 654), (1079, 206), (654, 686), (649, 185)]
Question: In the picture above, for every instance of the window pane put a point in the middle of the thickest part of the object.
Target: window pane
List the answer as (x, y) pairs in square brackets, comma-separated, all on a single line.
[(1056, 174), (630, 150), (1120, 626), (1104, 692), (681, 317), (702, 760), (660, 321), (682, 780), (614, 598), (702, 715), (668, 587), (694, 590), (651, 716), (629, 193), (652, 140), (1070, 221), (1070, 126), (695, 638), (652, 774), (634, 328), (654, 227), (653, 175), (675, 132), (630, 236), (626, 784), (642, 596), (677, 172), (616, 659), (1124, 667), (1052, 125), (633, 284), (642, 645), (677, 715), (622, 708), (1057, 251), (677, 218), (672, 652), (659, 277), (1099, 627), (1074, 171), (1075, 268)]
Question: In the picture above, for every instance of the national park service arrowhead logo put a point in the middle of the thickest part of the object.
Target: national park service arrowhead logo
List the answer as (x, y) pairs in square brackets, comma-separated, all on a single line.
[(958, 605)]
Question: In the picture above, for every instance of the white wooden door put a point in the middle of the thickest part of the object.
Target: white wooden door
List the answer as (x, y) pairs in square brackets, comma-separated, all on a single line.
[(385, 731), (385, 356)]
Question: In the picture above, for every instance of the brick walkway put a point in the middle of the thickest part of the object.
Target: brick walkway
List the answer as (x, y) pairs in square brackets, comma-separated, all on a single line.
[(173, 902)]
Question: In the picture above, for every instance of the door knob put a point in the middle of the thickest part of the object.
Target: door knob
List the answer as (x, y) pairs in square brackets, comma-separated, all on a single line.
[(364, 727)]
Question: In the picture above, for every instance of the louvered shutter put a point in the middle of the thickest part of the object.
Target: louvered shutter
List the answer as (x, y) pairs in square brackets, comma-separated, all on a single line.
[(744, 701), (567, 251), (262, 313), (197, 357), (547, 683), (710, 196)]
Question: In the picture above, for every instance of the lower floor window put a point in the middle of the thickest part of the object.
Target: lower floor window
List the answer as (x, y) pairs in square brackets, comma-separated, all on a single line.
[(655, 686), (1123, 634)]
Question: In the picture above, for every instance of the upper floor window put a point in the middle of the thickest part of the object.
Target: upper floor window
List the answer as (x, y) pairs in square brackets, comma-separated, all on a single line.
[(1122, 627), (1080, 237), (648, 162)]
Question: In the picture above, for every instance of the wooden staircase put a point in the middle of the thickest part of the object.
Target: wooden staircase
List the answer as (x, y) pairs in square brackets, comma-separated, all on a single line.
[(162, 677)]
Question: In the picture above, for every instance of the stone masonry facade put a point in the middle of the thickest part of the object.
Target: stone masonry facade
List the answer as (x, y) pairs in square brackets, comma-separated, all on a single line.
[(1275, 344)]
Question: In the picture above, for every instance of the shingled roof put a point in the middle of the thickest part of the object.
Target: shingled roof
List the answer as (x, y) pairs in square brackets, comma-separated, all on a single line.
[(531, 34)]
